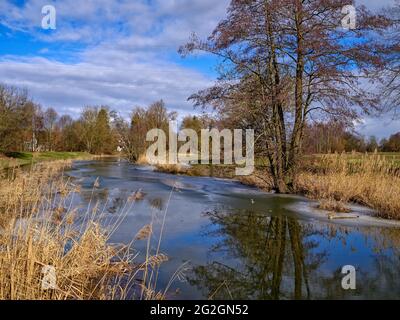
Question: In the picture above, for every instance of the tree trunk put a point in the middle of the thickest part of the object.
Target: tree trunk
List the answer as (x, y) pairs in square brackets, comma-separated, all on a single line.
[(297, 133), (279, 153)]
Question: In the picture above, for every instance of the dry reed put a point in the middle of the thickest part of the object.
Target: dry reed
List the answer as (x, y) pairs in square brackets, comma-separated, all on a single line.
[(370, 180), (38, 233)]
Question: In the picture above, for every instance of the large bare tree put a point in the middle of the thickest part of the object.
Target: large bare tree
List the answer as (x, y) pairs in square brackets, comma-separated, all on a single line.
[(391, 75), (281, 61)]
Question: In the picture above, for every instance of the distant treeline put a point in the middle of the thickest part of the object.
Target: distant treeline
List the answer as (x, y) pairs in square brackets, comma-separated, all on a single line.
[(336, 137), (26, 126)]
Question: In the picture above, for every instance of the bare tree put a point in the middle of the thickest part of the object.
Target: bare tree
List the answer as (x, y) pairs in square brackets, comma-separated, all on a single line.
[(391, 76), (283, 60), (50, 118), (132, 136), (88, 121), (18, 121), (64, 121)]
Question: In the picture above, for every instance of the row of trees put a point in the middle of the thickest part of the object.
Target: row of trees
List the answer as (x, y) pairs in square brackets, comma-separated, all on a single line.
[(25, 126), (329, 137), (132, 135)]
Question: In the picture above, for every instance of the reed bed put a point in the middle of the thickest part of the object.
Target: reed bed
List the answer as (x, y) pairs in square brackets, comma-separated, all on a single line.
[(336, 180), (45, 254), (370, 180)]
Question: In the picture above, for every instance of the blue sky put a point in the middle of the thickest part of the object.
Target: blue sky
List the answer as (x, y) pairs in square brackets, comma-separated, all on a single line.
[(121, 53)]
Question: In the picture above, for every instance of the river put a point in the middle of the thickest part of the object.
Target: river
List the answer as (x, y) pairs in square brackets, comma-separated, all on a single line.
[(230, 241)]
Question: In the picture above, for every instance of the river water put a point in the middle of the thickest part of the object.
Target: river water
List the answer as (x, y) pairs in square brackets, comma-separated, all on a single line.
[(225, 240)]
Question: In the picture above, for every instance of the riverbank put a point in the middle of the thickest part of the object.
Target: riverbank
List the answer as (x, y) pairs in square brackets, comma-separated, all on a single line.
[(43, 234), (336, 181), (18, 159)]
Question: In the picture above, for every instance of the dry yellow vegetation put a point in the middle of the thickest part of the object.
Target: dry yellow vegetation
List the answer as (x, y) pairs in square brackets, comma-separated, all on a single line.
[(335, 180), (38, 232), (370, 180)]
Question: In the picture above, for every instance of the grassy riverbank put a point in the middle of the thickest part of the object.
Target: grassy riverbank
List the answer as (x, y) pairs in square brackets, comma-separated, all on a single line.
[(17, 159), (335, 180), (371, 180)]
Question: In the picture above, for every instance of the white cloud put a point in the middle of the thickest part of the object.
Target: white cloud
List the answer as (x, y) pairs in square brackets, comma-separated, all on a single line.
[(93, 21), (375, 4), (380, 127), (124, 61), (68, 87)]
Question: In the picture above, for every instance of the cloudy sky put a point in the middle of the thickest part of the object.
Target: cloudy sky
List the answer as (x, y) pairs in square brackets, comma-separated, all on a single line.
[(120, 53)]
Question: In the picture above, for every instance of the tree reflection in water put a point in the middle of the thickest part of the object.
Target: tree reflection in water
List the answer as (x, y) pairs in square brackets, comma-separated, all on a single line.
[(276, 255), (279, 257)]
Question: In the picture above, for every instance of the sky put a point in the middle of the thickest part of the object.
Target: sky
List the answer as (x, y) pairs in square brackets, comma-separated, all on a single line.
[(120, 53)]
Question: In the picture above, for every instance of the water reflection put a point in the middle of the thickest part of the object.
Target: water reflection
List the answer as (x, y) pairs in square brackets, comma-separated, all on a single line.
[(284, 258), (270, 248)]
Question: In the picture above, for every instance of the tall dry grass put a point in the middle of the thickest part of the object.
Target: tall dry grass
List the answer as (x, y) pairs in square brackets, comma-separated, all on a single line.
[(38, 231), (335, 180), (371, 180)]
